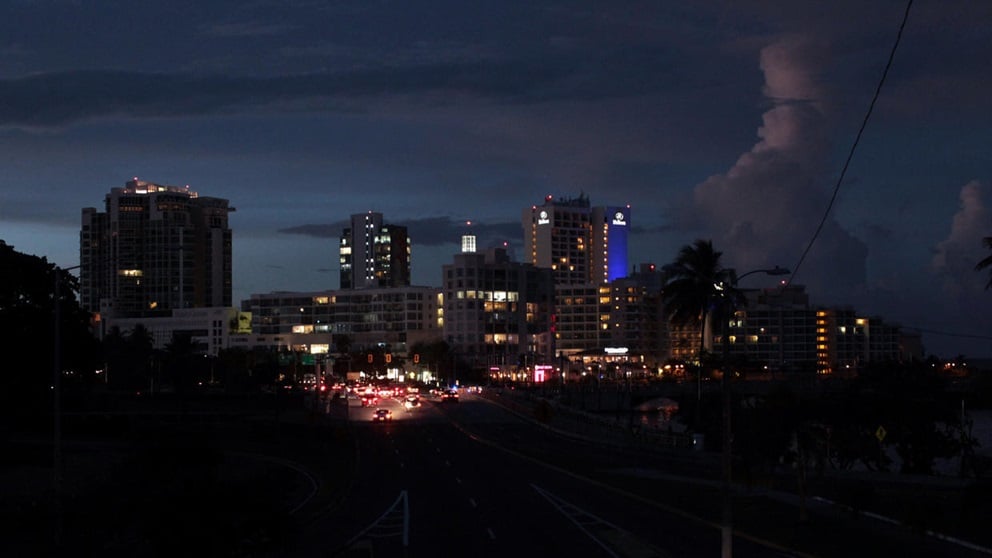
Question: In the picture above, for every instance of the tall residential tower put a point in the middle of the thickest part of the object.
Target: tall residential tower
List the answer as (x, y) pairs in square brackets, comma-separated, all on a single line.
[(373, 254), (155, 249), (586, 250), (580, 243)]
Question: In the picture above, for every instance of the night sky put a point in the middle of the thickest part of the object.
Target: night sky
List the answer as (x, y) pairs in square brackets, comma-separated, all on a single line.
[(728, 121)]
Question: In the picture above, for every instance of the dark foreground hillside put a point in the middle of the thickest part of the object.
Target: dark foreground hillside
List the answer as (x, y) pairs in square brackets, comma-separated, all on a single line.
[(212, 476)]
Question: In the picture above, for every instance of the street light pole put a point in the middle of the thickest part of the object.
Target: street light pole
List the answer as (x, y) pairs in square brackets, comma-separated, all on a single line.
[(57, 463), (727, 523)]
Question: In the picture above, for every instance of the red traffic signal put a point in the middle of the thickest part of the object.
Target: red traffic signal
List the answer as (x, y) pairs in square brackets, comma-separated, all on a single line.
[(371, 358)]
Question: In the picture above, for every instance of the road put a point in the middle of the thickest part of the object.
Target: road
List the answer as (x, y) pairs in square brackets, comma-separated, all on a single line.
[(474, 479)]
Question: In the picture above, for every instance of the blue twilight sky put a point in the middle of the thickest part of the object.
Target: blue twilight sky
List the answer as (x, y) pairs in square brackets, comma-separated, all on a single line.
[(726, 120)]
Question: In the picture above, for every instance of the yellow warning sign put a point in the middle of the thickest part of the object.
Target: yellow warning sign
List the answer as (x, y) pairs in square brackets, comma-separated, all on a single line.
[(880, 433)]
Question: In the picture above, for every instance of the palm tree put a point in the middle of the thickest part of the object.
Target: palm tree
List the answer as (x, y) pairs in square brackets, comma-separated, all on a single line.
[(696, 285), (987, 261)]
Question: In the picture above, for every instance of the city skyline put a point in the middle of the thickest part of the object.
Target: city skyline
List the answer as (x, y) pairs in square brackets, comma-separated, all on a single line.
[(731, 123)]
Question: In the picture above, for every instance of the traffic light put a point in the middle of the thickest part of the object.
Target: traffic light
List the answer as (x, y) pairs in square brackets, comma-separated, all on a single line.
[(416, 358), (389, 358), (371, 358)]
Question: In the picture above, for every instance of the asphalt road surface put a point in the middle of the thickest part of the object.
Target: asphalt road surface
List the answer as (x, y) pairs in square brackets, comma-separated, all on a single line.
[(474, 479)]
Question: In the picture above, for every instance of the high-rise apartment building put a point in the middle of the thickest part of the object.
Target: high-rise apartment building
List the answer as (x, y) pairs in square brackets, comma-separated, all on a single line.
[(580, 243), (585, 248), (779, 329), (497, 312), (373, 254), (154, 249)]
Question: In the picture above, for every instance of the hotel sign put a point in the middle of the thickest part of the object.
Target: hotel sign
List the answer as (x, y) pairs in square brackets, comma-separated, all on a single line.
[(620, 219), (543, 218)]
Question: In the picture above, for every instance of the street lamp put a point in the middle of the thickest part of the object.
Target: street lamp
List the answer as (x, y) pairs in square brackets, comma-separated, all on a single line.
[(727, 530), (773, 271)]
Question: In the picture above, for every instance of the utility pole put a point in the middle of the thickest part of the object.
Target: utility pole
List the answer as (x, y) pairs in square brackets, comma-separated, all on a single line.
[(729, 311), (57, 461)]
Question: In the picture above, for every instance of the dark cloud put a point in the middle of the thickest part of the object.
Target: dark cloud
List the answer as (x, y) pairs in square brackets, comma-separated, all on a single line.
[(247, 29), (653, 229), (59, 98), (330, 230), (429, 231)]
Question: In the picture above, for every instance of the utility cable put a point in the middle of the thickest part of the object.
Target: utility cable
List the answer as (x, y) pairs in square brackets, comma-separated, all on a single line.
[(854, 146), (948, 333)]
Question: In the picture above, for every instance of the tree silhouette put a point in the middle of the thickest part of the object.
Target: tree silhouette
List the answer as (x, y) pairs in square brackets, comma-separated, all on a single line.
[(693, 284), (183, 360), (27, 310), (698, 288)]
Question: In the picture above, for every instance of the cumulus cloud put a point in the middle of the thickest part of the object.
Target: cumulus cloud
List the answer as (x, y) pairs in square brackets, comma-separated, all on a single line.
[(764, 210), (955, 257)]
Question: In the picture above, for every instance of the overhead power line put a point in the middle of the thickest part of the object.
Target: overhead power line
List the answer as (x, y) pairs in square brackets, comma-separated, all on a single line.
[(949, 334), (854, 146)]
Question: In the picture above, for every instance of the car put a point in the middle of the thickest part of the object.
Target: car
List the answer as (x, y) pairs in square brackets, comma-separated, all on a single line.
[(449, 396), (411, 401), (382, 415), (369, 400)]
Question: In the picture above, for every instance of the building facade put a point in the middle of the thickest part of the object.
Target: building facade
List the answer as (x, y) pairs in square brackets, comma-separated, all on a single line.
[(779, 330), (625, 314), (391, 318), (498, 313), (155, 249), (373, 254), (585, 248), (581, 244), (636, 317), (210, 329)]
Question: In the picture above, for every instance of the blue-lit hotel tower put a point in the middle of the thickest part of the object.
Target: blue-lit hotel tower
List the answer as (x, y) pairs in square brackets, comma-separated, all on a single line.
[(581, 244), (586, 249)]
